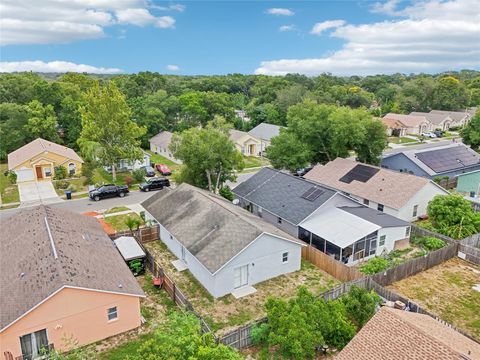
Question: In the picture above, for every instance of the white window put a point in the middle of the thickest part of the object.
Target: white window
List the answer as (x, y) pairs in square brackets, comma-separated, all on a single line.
[(285, 257), (240, 276), (112, 313), (71, 169), (380, 207), (382, 240), (366, 202), (415, 210), (407, 231), (48, 172)]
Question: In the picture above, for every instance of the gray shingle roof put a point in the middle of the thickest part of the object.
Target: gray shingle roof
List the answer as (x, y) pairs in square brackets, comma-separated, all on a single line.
[(281, 194), (211, 228), (265, 131), (374, 216), (86, 258), (435, 119), (162, 139)]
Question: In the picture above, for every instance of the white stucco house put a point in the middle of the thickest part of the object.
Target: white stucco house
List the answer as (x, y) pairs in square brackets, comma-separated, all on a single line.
[(127, 165), (265, 132), (160, 144), (403, 195), (225, 247)]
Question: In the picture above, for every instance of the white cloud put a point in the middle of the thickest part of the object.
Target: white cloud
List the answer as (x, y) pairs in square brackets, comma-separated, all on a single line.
[(172, 7), (318, 28), (280, 11), (54, 66), (430, 36), (54, 21), (173, 68), (284, 28)]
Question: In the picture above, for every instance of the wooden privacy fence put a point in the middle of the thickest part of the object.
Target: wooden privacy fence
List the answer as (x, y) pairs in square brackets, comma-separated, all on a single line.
[(144, 234), (416, 265), (241, 337), (331, 266)]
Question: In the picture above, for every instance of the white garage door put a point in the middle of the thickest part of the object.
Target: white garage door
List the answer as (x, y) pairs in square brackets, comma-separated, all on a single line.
[(25, 175)]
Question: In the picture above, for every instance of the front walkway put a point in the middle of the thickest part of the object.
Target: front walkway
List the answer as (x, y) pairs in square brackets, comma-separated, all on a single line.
[(37, 192)]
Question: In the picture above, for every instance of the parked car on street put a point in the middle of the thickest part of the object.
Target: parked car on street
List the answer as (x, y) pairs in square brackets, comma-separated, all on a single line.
[(163, 169), (149, 171), (303, 171), (429, 135), (107, 191), (156, 183)]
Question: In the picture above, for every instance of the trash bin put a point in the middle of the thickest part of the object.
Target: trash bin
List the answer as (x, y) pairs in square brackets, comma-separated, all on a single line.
[(68, 193)]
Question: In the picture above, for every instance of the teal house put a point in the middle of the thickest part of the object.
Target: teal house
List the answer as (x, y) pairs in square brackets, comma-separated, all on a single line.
[(469, 182)]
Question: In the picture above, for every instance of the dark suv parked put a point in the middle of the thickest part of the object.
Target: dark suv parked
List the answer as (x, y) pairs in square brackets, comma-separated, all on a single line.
[(156, 183)]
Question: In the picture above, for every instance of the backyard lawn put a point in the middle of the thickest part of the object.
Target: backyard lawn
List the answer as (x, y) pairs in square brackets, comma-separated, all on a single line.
[(254, 162), (8, 191), (447, 291), (159, 159), (226, 313)]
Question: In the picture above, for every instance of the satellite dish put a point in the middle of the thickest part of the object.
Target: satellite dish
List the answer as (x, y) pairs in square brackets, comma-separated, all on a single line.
[(235, 201)]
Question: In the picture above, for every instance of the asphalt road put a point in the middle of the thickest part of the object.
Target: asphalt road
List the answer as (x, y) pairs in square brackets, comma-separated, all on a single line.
[(85, 204), (419, 146)]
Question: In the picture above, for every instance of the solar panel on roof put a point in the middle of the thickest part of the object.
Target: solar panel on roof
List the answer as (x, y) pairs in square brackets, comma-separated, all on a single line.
[(313, 193), (448, 159), (361, 173)]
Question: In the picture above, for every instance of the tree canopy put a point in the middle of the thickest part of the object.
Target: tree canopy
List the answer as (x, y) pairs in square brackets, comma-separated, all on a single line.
[(471, 132)]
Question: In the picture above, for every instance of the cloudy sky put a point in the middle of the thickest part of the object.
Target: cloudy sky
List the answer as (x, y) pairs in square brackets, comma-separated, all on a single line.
[(219, 37)]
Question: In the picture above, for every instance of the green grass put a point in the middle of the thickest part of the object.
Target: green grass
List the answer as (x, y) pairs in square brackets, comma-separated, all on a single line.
[(77, 182), (116, 209), (252, 162), (128, 348), (159, 159), (401, 140), (118, 222), (8, 191)]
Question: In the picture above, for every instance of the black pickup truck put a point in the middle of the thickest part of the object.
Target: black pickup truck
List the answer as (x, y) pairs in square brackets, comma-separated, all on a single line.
[(106, 191)]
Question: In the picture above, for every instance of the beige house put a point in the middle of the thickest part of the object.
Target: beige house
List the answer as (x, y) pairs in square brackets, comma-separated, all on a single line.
[(37, 160), (159, 144), (247, 144), (414, 125), (439, 121), (62, 281)]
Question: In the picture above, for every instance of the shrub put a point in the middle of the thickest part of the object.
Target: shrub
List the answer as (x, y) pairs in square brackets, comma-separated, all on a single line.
[(260, 334), (128, 180), (361, 304), (375, 265), (430, 243), (87, 171), (61, 184), (139, 175), (60, 172), (227, 193), (136, 266), (72, 188), (12, 177)]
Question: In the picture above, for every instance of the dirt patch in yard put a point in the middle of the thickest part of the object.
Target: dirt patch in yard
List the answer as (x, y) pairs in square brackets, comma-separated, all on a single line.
[(447, 291), (226, 313)]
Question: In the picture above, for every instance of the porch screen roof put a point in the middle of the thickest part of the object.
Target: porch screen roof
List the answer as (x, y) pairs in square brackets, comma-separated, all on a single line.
[(129, 248), (339, 227)]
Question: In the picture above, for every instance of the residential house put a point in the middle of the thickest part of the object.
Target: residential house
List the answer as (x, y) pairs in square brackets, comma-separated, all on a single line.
[(37, 160), (459, 118), (322, 217), (62, 280), (159, 144), (408, 335), (469, 182), (247, 144), (265, 132), (414, 125), (442, 161), (439, 120), (394, 127), (225, 247), (128, 165), (242, 115), (399, 194)]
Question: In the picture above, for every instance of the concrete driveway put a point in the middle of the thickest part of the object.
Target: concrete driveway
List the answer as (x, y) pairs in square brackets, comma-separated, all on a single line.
[(32, 192)]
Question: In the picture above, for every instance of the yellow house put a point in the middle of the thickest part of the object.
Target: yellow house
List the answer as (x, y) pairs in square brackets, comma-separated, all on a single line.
[(37, 160), (247, 144)]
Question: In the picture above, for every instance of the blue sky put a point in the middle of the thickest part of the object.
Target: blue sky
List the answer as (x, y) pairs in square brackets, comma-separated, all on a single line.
[(219, 37)]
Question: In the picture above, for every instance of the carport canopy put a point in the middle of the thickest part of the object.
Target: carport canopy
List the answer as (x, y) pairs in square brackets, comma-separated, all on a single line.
[(129, 248)]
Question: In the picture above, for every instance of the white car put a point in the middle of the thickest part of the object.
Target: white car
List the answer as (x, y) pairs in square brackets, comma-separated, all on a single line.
[(429, 135)]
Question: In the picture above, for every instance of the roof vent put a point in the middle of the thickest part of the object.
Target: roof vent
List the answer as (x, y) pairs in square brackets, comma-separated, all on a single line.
[(120, 286), (22, 274)]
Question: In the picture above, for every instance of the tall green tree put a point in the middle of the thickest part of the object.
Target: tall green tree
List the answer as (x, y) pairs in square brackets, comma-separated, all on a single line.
[(42, 122), (450, 94), (374, 141), (471, 132), (209, 157), (106, 122), (13, 117)]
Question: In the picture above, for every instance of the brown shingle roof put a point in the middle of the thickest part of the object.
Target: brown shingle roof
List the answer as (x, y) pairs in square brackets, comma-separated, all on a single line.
[(407, 120), (392, 124), (30, 273), (37, 147), (395, 334), (390, 188), (211, 228)]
